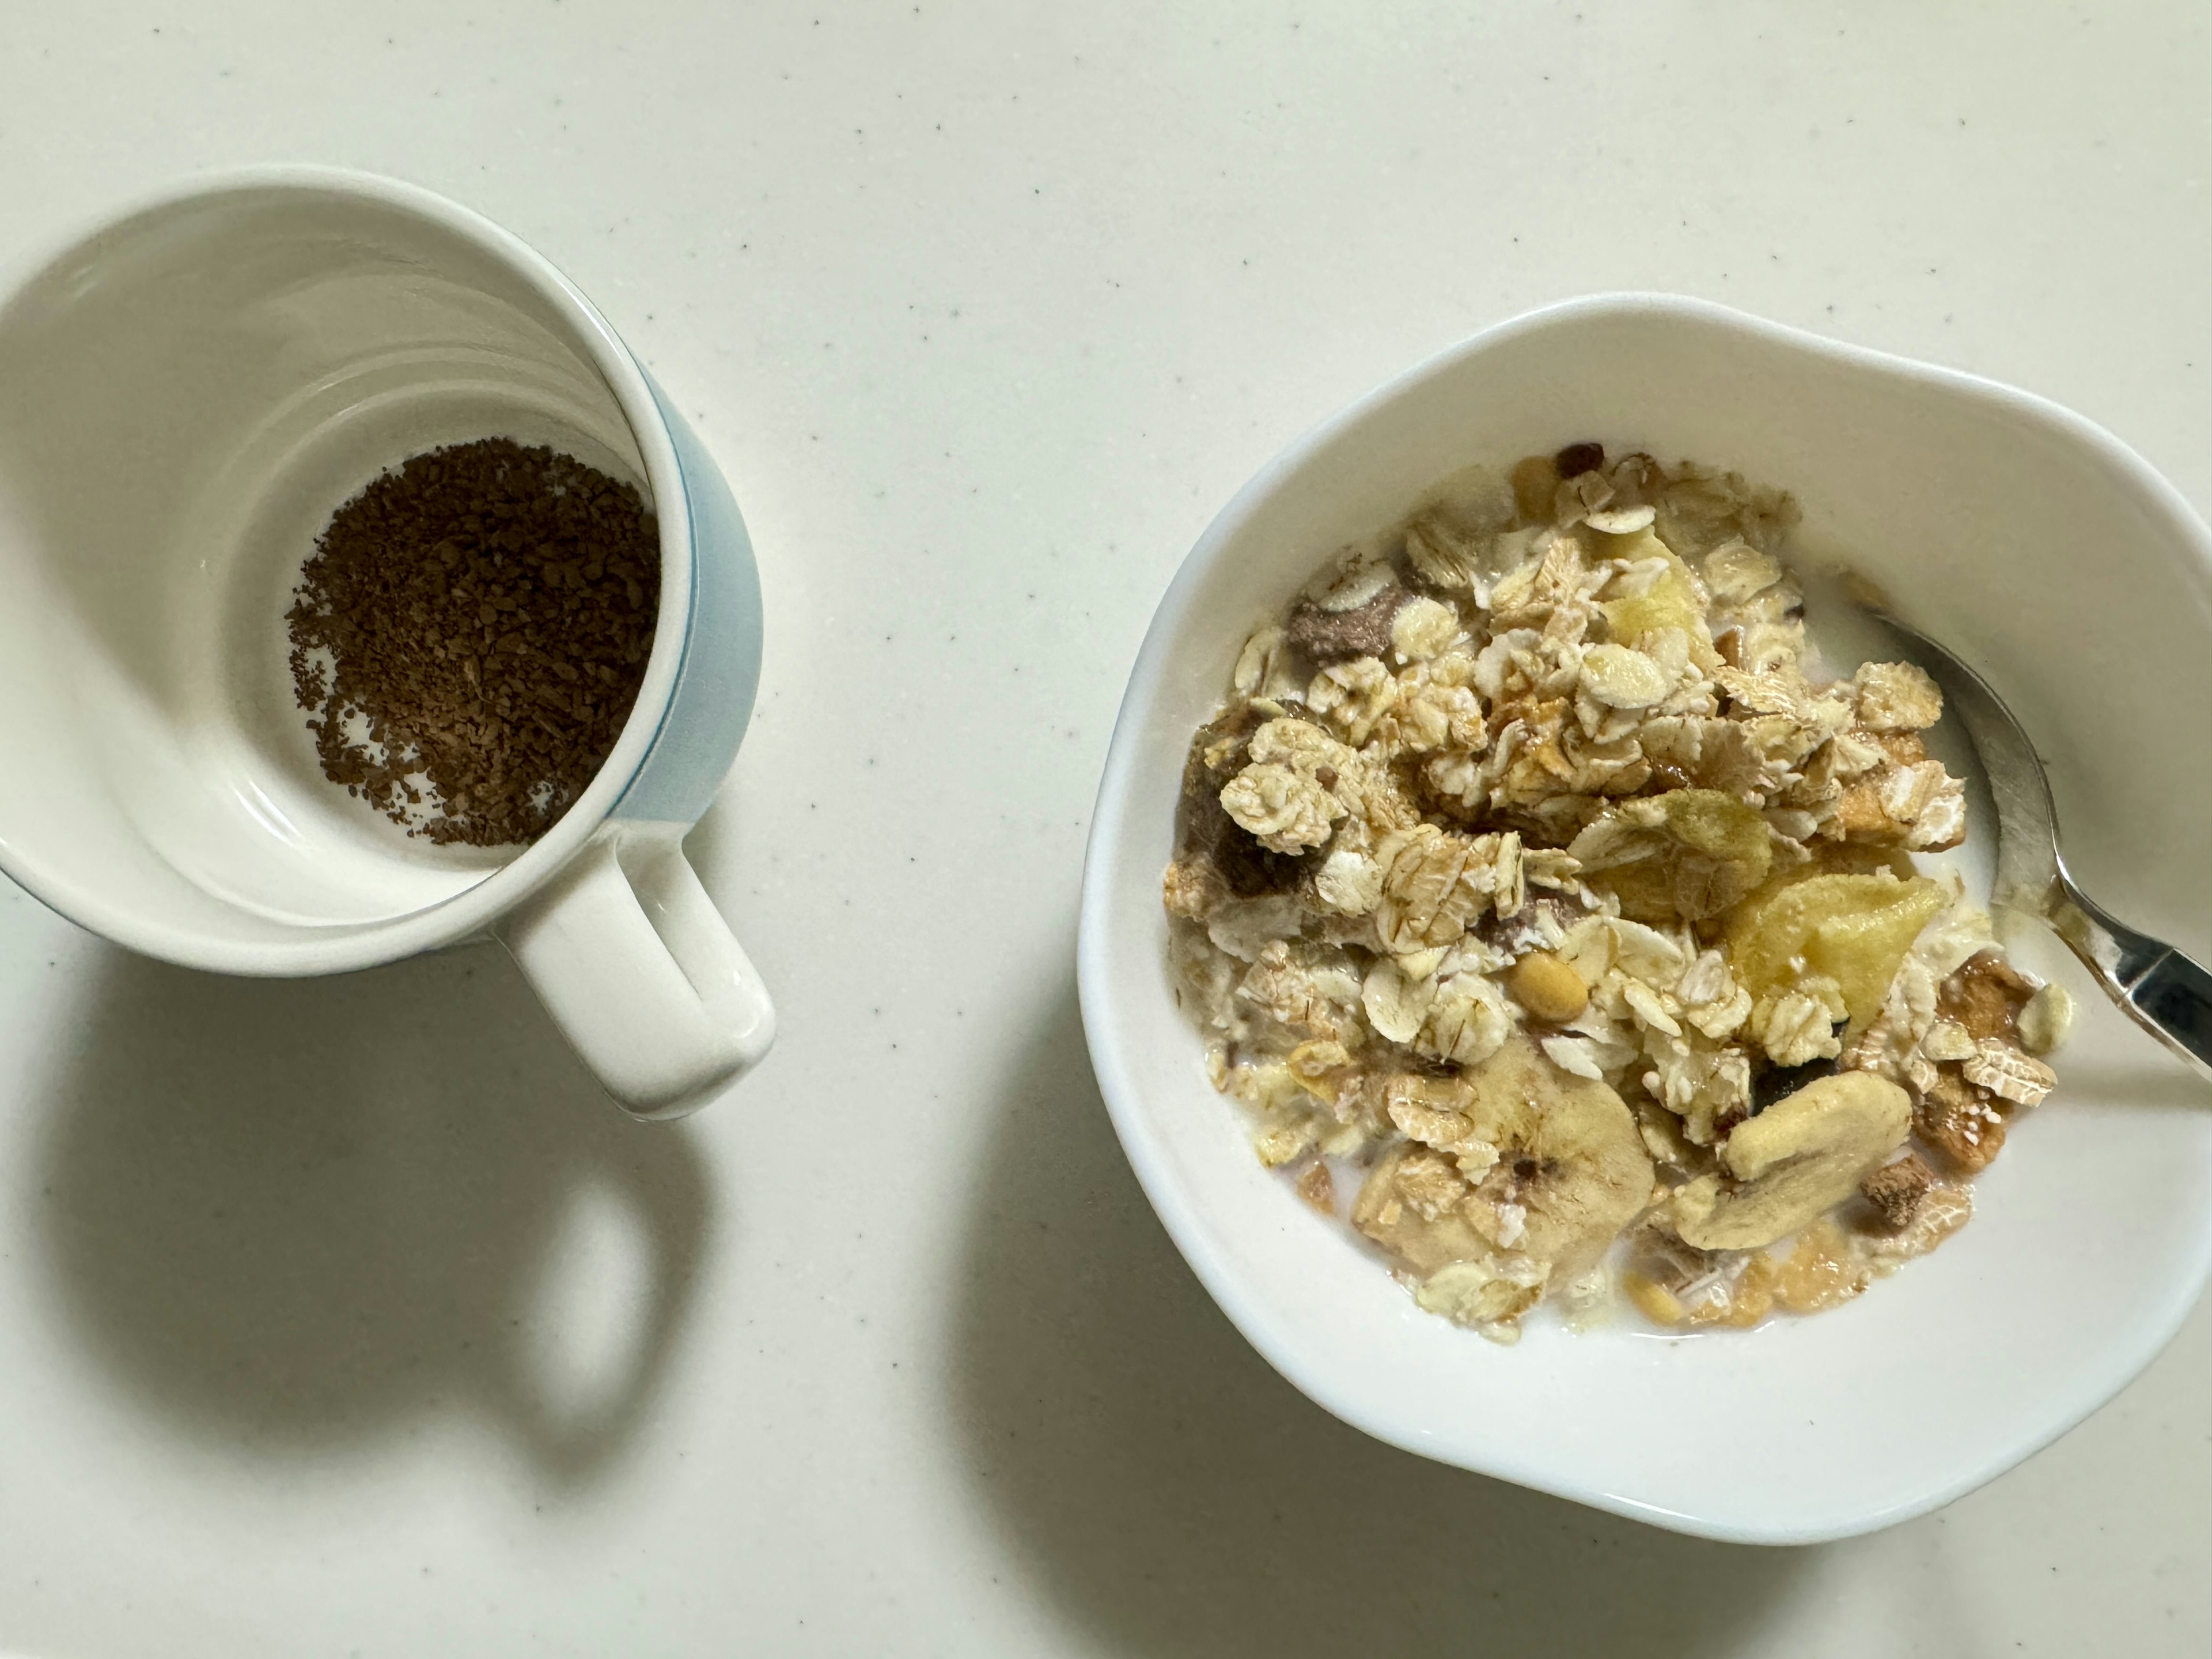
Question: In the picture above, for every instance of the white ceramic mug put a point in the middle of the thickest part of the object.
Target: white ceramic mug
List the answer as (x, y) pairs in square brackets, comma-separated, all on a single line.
[(185, 395)]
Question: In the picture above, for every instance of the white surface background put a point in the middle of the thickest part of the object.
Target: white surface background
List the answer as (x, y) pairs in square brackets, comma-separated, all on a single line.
[(316, 1300)]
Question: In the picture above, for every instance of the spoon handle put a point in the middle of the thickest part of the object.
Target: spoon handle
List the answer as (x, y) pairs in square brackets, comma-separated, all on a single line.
[(2156, 986)]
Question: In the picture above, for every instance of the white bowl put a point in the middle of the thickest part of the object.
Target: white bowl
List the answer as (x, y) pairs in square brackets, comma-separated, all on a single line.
[(2048, 554)]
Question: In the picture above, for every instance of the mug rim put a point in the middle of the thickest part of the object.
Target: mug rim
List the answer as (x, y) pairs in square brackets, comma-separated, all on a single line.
[(339, 947)]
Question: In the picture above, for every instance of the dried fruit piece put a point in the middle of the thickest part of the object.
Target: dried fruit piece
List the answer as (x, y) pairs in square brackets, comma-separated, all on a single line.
[(1852, 929), (1794, 1162), (1688, 854), (1985, 996), (1569, 1153), (1726, 850), (1577, 459), (1959, 1120), (1669, 598)]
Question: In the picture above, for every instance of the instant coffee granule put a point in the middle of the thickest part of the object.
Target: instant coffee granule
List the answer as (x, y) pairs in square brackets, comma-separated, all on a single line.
[(470, 634)]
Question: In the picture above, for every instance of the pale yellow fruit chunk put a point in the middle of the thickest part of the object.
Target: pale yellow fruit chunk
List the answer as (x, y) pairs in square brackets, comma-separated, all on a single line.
[(1852, 929)]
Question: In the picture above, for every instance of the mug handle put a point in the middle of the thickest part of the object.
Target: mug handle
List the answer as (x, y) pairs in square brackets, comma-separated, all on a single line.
[(640, 973)]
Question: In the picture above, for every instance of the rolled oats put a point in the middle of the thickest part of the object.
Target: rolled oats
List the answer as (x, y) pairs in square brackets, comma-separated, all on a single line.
[(1532, 854)]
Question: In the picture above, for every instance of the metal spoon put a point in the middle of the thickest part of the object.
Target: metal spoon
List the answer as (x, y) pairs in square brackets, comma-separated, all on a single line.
[(2155, 985)]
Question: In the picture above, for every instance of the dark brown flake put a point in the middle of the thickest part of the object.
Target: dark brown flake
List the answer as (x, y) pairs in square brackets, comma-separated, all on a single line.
[(1328, 636)]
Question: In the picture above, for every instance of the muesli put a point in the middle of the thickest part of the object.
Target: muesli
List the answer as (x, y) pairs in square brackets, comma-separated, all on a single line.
[(1558, 923)]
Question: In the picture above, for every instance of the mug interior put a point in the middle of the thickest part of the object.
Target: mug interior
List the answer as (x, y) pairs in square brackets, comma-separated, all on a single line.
[(184, 399)]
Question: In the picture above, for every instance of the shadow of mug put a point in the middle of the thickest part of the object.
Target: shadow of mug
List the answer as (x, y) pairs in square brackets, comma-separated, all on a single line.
[(291, 1214)]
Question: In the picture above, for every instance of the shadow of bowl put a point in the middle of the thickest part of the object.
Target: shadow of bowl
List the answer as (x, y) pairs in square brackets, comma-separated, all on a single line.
[(1174, 1493)]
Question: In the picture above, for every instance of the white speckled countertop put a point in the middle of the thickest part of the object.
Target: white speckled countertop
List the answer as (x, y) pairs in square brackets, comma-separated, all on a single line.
[(316, 1300)]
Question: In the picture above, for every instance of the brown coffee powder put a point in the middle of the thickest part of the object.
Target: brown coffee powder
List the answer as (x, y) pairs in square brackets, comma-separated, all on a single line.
[(470, 634)]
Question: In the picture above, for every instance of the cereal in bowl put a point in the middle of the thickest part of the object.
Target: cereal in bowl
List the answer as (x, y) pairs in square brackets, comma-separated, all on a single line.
[(1557, 924)]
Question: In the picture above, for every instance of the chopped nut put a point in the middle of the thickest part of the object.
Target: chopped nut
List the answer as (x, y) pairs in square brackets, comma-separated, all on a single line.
[(1318, 1188), (1896, 1189)]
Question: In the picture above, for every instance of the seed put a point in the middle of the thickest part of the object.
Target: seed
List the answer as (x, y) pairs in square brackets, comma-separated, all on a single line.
[(1548, 987)]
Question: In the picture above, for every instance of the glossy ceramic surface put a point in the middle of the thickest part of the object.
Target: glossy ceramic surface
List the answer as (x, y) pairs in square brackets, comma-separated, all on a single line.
[(190, 390), (1975, 507)]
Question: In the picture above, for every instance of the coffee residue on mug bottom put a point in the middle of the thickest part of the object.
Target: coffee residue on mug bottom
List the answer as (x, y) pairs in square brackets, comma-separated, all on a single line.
[(470, 635)]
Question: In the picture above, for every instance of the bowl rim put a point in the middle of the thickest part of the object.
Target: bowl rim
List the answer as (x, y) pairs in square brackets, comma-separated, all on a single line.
[(343, 947), (1099, 998)]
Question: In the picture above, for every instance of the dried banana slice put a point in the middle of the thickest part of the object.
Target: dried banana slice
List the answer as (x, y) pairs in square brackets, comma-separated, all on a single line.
[(1783, 1170), (1570, 1171)]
